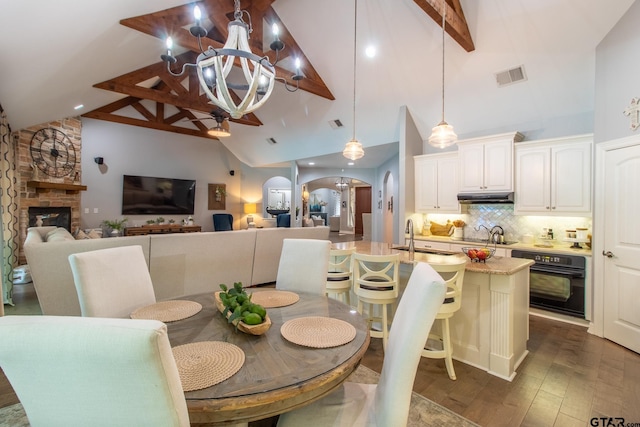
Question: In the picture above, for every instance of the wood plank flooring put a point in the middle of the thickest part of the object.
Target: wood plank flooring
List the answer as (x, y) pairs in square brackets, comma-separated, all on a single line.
[(569, 377)]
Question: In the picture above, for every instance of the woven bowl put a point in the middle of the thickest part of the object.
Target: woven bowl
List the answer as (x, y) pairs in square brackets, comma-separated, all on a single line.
[(247, 329), (472, 253)]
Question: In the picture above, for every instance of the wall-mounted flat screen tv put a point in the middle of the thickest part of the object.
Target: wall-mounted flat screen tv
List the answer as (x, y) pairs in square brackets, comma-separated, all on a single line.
[(150, 195)]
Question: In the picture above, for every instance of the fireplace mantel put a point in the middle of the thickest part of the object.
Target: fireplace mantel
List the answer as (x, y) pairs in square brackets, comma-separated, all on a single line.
[(69, 188)]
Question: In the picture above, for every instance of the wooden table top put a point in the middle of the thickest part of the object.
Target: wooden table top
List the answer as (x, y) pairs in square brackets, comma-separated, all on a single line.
[(277, 376)]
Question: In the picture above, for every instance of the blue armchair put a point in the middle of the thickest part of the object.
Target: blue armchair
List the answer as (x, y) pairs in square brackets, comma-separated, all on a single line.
[(222, 222), (284, 220)]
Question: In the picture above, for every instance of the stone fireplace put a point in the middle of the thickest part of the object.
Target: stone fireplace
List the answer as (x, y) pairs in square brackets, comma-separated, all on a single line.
[(55, 199)]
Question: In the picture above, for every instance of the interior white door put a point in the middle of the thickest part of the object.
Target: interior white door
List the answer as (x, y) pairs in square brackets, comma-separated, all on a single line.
[(622, 247)]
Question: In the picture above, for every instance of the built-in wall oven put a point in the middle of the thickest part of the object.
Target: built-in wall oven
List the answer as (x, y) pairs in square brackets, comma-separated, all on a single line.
[(556, 282)]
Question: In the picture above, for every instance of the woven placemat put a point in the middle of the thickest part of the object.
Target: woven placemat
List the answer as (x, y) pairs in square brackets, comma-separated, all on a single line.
[(273, 299), (318, 331), (207, 363), (167, 311)]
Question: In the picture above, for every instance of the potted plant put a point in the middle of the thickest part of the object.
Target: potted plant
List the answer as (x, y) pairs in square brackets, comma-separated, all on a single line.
[(116, 226), (151, 221), (172, 221), (160, 220)]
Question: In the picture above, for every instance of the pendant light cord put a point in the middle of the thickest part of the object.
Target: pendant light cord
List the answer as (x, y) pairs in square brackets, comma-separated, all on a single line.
[(444, 15), (355, 32)]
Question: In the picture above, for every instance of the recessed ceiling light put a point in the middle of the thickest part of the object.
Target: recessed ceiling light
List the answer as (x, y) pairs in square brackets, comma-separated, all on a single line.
[(311, 163), (370, 51), (77, 107), (351, 163)]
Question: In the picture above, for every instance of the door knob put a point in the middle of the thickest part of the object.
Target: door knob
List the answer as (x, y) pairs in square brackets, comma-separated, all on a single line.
[(608, 254)]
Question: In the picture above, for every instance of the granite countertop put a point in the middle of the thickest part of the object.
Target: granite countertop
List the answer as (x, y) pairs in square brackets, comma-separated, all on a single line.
[(559, 246), (495, 265)]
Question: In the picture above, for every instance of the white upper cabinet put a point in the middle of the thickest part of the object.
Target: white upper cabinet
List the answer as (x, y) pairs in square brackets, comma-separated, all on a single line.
[(486, 164), (437, 183), (553, 176)]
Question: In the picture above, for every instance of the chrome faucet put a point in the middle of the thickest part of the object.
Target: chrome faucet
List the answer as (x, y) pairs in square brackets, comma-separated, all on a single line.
[(486, 228), (409, 230)]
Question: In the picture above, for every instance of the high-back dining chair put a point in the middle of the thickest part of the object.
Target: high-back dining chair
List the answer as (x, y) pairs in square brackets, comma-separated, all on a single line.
[(340, 277), (71, 370), (303, 265), (376, 281), (222, 222), (453, 275), (385, 404), (112, 282)]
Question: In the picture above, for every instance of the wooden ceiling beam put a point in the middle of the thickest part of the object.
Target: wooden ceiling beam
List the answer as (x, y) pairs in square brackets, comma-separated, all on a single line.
[(456, 24)]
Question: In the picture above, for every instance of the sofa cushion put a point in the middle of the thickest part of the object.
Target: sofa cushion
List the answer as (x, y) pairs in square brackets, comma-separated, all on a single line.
[(59, 235)]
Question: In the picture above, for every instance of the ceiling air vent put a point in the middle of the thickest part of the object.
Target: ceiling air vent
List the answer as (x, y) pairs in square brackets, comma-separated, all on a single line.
[(513, 75), (272, 141), (335, 124)]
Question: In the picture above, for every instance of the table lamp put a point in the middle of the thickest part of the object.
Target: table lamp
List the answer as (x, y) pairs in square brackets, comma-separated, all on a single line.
[(250, 209)]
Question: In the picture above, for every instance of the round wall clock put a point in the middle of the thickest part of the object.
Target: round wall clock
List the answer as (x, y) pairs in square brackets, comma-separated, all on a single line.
[(53, 152)]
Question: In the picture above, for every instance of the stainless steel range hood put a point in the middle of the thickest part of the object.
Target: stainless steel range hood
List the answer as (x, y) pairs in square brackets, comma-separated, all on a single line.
[(486, 198)]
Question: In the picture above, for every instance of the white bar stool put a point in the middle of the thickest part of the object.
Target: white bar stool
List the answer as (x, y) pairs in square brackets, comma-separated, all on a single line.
[(340, 277), (376, 279), (453, 274)]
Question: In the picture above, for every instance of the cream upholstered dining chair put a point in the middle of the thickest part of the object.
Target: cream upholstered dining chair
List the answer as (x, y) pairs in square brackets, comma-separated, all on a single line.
[(340, 276), (376, 280), (303, 265), (112, 282), (71, 370), (387, 403), (453, 274)]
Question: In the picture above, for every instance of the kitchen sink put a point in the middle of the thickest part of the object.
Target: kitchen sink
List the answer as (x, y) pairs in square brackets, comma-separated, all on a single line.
[(425, 250)]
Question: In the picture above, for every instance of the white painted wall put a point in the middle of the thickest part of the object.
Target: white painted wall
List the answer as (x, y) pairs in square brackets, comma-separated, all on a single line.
[(617, 82)]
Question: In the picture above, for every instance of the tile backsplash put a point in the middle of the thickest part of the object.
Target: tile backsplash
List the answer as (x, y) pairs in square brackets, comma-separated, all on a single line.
[(515, 226)]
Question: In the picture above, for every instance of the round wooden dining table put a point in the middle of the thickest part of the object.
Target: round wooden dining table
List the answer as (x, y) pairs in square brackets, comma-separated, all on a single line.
[(277, 375)]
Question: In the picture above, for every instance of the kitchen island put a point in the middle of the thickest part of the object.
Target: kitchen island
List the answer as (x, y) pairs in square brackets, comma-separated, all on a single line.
[(491, 329)]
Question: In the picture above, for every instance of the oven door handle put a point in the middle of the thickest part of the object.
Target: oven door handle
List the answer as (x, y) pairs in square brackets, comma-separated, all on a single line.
[(571, 274)]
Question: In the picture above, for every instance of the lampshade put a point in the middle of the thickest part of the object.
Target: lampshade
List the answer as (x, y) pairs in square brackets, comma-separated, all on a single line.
[(219, 132), (250, 208), (442, 135), (353, 150)]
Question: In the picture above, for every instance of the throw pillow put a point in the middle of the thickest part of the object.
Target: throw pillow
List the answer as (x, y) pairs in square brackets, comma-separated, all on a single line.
[(81, 235), (94, 234)]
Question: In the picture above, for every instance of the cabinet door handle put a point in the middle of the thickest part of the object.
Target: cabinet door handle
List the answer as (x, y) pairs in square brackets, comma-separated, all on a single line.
[(553, 207), (547, 207), (608, 254)]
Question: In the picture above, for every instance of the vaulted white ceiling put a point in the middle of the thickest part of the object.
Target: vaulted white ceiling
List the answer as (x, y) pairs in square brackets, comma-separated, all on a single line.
[(53, 52)]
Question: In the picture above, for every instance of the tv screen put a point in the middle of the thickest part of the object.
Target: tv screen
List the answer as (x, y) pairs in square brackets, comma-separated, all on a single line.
[(149, 195)]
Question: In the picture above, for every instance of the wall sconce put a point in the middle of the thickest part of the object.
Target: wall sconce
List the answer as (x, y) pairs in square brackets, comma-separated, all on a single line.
[(98, 160), (250, 209)]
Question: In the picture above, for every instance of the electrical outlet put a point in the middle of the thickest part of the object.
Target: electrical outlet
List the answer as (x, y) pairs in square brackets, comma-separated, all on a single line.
[(86, 210), (95, 210)]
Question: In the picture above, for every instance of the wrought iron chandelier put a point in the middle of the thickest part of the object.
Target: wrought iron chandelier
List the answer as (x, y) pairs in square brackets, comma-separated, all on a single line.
[(442, 135), (341, 185), (214, 65), (353, 150)]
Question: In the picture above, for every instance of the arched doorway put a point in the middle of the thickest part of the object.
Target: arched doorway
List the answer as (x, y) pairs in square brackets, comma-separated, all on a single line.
[(342, 207)]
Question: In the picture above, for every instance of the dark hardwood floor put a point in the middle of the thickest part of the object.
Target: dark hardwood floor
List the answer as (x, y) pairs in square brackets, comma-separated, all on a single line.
[(569, 377)]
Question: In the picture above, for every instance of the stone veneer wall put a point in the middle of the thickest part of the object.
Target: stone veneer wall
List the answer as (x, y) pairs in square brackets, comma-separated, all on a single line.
[(72, 127)]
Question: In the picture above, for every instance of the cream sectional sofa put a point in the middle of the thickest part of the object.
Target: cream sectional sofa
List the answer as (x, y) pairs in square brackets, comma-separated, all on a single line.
[(179, 264)]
